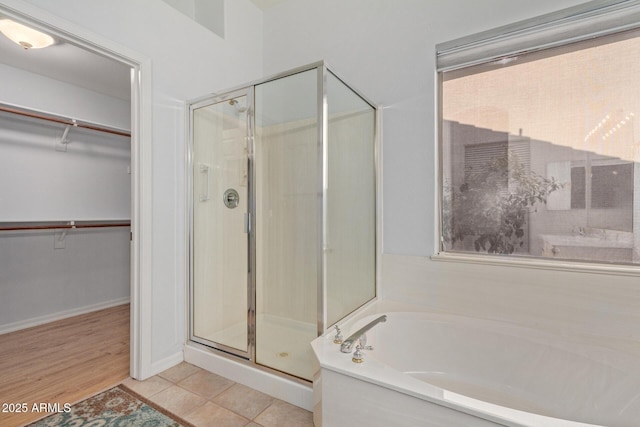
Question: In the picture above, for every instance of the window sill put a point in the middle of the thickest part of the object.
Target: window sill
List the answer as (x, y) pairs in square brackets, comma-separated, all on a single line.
[(521, 262)]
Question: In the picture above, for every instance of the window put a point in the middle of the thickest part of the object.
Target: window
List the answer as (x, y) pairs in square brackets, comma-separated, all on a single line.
[(540, 146), (578, 187)]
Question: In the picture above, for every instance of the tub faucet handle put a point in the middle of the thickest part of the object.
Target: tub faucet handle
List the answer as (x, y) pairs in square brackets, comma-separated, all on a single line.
[(338, 339), (357, 355)]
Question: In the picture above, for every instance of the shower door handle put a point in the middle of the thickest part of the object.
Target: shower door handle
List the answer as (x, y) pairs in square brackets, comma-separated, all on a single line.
[(247, 230), (205, 170), (247, 223)]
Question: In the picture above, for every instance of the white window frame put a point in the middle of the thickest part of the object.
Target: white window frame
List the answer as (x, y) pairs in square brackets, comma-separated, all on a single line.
[(592, 19)]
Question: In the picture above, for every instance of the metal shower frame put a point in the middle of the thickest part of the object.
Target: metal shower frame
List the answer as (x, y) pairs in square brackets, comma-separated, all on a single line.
[(248, 89)]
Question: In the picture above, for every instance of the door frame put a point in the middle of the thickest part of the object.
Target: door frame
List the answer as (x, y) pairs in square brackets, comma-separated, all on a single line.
[(141, 165)]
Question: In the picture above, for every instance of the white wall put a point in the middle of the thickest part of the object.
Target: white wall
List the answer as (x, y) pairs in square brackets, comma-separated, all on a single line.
[(209, 13), (39, 283), (187, 61), (88, 180), (40, 93), (386, 49)]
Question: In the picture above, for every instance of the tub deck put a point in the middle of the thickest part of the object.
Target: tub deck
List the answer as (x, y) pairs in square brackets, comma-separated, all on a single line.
[(495, 373)]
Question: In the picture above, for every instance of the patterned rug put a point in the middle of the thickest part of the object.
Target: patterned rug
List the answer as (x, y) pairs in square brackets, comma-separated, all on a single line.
[(117, 407)]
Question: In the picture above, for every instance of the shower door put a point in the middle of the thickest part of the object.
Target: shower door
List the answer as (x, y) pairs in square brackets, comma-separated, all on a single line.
[(220, 303)]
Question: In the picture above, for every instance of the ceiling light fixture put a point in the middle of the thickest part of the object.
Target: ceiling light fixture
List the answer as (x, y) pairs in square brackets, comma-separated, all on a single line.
[(26, 37)]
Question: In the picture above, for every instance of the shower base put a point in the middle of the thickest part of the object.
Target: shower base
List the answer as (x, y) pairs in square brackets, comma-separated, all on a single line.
[(282, 344)]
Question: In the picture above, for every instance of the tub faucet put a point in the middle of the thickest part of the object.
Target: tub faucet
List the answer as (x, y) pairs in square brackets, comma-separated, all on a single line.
[(359, 335)]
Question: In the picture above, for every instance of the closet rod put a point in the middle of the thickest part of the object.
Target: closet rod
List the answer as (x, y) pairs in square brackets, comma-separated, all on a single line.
[(64, 226), (67, 122)]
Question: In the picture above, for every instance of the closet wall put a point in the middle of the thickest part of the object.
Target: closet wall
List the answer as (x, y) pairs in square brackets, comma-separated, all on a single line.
[(45, 275)]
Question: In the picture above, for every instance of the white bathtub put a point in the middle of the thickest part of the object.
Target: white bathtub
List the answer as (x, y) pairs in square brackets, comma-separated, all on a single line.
[(436, 370)]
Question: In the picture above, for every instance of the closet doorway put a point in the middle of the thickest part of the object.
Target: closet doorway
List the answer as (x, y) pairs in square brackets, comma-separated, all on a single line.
[(66, 207)]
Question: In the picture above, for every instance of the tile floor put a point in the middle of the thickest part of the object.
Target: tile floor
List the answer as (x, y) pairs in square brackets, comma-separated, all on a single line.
[(206, 399)]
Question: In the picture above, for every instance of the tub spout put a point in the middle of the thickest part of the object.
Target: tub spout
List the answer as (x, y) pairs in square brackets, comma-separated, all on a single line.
[(358, 335)]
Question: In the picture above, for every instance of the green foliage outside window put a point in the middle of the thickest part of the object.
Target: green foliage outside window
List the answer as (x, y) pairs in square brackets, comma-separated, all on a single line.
[(491, 206)]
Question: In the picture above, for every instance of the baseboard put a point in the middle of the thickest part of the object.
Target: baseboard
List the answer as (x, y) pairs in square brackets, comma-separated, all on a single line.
[(166, 363), (281, 388), (29, 323)]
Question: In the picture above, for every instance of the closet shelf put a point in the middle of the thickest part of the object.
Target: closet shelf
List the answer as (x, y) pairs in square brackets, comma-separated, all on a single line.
[(64, 121), (60, 225)]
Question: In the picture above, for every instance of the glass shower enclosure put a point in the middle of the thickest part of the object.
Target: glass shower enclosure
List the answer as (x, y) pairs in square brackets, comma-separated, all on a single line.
[(282, 215)]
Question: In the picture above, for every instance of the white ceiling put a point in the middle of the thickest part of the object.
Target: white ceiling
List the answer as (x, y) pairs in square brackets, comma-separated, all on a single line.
[(71, 64)]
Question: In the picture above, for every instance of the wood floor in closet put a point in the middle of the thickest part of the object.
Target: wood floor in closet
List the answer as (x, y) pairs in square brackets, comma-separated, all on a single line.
[(63, 362)]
